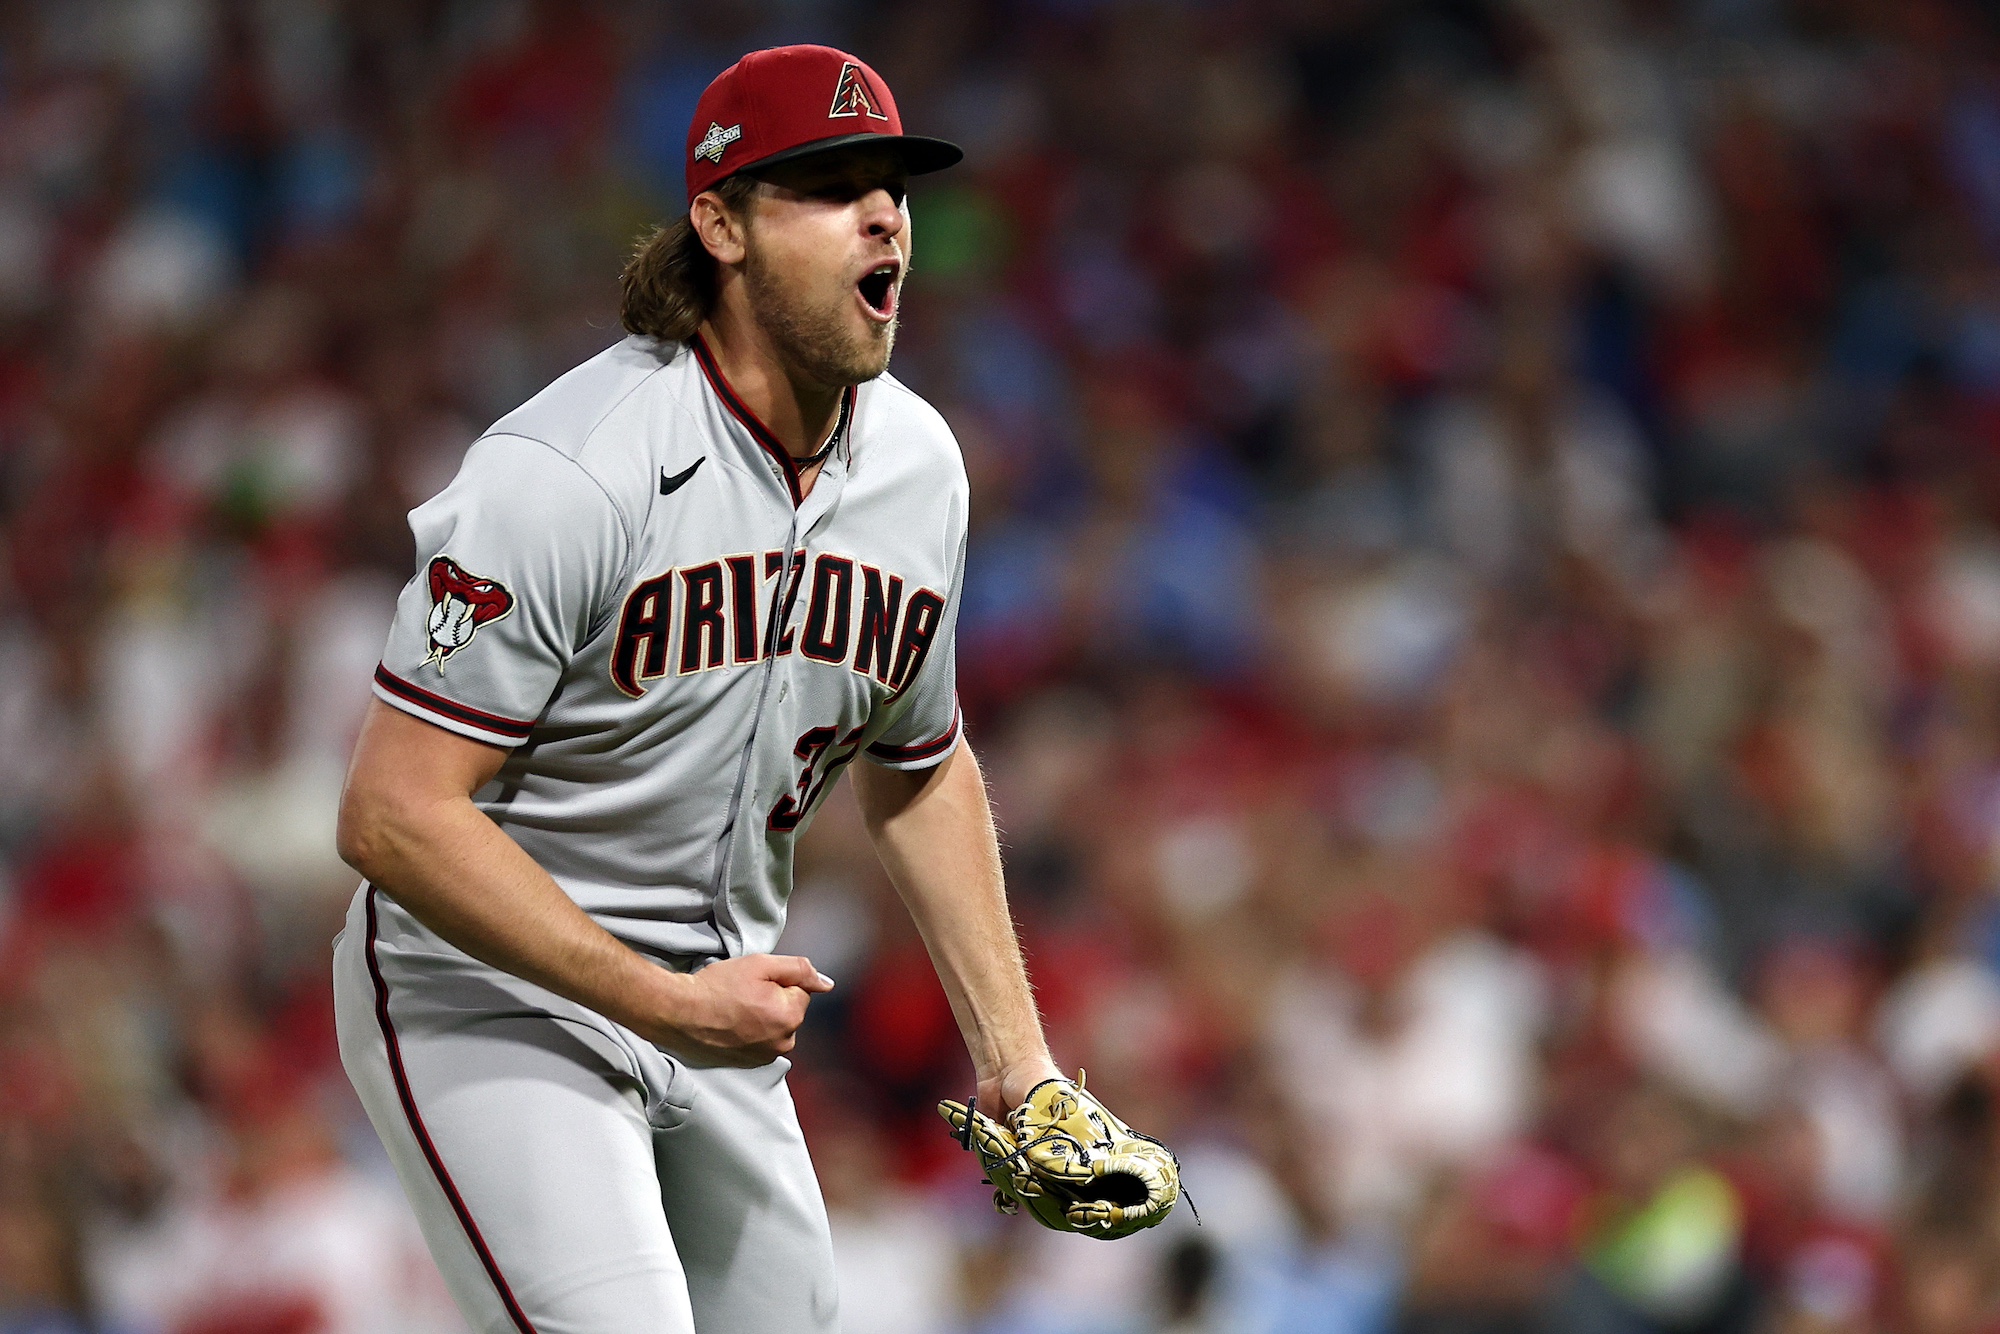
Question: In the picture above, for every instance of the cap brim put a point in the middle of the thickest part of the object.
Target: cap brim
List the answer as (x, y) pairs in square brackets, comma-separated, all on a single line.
[(921, 155)]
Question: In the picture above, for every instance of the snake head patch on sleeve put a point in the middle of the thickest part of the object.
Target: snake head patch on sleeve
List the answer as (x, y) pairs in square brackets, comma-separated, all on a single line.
[(460, 604)]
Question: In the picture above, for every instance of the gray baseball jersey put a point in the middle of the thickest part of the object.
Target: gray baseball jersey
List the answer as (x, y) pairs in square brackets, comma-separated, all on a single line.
[(624, 586)]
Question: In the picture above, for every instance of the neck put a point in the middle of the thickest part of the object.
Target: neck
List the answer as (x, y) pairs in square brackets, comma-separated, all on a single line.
[(799, 412)]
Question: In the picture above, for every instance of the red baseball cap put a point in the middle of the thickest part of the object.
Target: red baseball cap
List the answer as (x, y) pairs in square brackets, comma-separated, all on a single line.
[(790, 101)]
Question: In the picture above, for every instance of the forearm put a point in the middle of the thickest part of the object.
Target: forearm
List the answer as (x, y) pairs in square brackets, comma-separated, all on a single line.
[(460, 875), (934, 833)]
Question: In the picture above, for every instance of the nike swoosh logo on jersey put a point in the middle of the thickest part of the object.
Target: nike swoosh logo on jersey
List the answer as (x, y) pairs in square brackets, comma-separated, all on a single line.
[(669, 485)]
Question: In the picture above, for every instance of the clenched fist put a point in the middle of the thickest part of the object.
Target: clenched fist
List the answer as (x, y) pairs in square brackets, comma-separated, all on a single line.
[(743, 1011)]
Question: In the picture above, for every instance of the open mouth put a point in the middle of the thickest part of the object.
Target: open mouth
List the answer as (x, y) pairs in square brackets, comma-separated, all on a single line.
[(878, 290)]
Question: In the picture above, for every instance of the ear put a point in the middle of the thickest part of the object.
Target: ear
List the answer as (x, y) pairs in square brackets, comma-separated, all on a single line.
[(721, 231)]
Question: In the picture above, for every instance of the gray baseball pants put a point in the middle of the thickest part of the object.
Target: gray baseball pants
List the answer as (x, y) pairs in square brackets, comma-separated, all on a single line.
[(569, 1176)]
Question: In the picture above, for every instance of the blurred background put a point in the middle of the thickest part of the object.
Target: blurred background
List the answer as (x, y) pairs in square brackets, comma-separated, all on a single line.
[(1484, 628)]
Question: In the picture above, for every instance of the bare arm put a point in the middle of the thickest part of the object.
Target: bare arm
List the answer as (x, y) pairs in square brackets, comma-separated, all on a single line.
[(408, 824), (934, 832)]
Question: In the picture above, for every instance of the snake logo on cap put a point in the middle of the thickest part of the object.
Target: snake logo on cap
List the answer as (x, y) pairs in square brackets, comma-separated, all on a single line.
[(851, 96)]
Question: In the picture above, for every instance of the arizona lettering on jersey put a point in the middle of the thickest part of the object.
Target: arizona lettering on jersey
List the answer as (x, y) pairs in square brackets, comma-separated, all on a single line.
[(710, 615), (625, 587)]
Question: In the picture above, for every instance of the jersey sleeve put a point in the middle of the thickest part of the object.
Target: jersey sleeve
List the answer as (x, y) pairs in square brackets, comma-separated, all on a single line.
[(515, 562), (924, 722)]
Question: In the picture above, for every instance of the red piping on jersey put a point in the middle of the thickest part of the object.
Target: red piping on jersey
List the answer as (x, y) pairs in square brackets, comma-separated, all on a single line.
[(923, 750), (492, 722), (759, 432), (416, 1120)]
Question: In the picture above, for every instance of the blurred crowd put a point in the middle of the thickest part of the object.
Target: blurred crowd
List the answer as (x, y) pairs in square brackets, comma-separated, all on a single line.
[(1483, 627)]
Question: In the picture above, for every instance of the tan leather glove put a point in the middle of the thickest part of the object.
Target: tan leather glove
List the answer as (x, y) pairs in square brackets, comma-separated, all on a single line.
[(1065, 1158)]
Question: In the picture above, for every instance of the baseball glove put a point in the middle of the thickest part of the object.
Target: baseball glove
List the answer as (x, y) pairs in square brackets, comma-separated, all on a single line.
[(1068, 1161)]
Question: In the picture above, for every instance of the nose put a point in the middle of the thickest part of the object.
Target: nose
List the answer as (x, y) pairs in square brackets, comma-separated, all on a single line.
[(881, 218)]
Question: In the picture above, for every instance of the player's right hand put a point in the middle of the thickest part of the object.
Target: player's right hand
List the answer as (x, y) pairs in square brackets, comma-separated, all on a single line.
[(744, 1011)]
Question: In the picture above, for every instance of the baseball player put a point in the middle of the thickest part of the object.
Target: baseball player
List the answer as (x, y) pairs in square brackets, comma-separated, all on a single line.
[(662, 608)]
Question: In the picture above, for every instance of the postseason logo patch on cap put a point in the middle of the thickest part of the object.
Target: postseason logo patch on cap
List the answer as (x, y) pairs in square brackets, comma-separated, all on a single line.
[(716, 140)]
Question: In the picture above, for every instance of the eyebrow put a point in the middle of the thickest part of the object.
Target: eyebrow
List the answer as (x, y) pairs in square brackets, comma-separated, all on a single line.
[(808, 180), (858, 183)]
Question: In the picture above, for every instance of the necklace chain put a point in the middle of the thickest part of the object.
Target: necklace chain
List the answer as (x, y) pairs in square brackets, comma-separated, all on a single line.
[(832, 441)]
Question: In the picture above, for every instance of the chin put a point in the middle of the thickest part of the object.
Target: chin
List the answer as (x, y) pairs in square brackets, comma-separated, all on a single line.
[(828, 349), (871, 359)]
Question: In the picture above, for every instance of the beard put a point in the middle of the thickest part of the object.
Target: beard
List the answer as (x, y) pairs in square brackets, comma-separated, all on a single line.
[(815, 330)]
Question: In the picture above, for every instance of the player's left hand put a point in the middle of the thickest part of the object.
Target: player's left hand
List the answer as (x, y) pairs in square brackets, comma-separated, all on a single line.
[(1011, 1087)]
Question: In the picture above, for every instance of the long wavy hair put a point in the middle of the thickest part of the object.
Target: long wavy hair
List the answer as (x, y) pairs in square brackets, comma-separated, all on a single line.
[(669, 284)]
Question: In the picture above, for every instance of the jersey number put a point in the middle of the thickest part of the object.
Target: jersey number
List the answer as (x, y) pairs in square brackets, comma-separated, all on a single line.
[(812, 747)]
